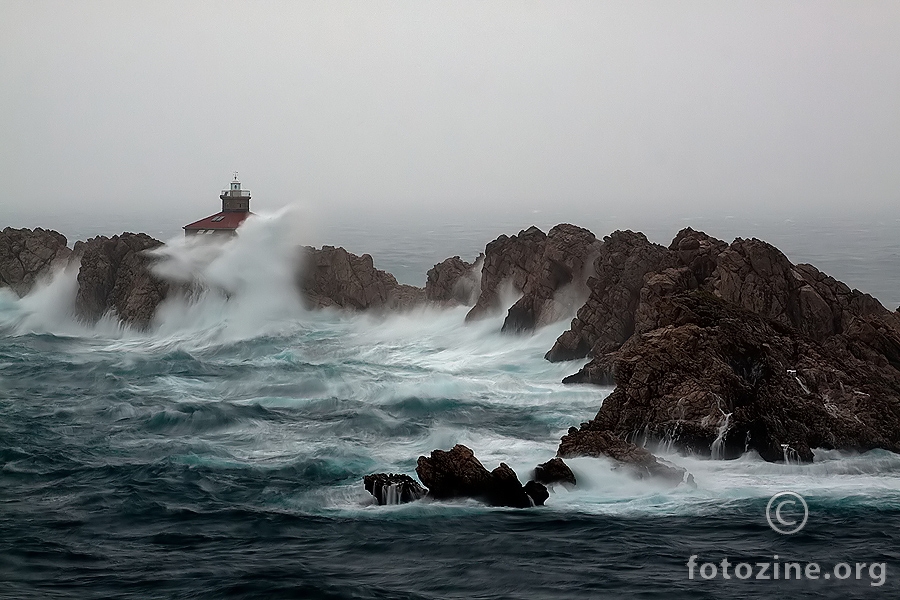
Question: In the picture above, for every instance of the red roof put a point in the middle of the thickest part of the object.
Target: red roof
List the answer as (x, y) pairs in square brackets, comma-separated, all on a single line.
[(223, 220)]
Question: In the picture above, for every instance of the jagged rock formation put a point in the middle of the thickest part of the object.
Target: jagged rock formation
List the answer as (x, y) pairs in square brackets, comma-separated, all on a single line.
[(507, 260), (26, 255), (538, 266), (458, 474), (719, 379), (115, 275), (391, 488), (454, 281), (607, 318), (590, 440), (731, 348), (554, 471), (334, 277), (536, 491), (567, 253)]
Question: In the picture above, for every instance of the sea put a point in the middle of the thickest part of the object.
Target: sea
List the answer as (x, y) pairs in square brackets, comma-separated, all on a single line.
[(220, 454)]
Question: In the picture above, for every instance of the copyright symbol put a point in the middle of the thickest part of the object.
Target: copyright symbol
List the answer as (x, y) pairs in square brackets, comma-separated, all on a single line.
[(782, 512)]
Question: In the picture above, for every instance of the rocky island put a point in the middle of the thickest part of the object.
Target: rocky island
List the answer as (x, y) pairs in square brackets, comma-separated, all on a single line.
[(709, 347)]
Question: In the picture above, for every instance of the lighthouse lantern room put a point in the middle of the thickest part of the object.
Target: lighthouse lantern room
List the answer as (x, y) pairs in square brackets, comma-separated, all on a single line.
[(235, 209)]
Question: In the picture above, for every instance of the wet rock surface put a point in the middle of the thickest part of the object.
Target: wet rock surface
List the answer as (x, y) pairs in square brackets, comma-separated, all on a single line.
[(456, 473), (454, 282), (606, 320), (554, 471), (548, 270), (637, 461), (391, 488), (720, 380), (508, 261), (731, 347), (563, 265), (27, 255), (115, 275)]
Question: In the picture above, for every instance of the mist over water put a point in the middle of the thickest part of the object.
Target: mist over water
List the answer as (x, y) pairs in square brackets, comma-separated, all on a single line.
[(221, 454)]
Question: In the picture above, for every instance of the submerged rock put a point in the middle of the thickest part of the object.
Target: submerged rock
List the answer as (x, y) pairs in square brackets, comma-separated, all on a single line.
[(637, 461), (115, 276), (458, 474), (391, 488), (554, 471), (26, 255)]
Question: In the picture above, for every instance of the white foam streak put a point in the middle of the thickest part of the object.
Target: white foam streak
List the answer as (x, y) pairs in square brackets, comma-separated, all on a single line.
[(246, 283), (425, 374)]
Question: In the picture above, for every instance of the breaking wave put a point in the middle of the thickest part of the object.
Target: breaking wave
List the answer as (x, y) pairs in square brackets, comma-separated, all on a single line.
[(239, 416)]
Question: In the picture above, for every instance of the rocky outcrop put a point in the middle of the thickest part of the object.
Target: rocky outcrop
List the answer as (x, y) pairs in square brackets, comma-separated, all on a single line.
[(758, 277), (637, 462), (698, 252), (454, 281), (391, 488), (458, 474), (548, 270), (565, 259), (631, 273), (115, 276), (333, 277), (607, 319), (507, 261), (717, 379), (554, 471), (537, 492), (26, 255), (719, 349)]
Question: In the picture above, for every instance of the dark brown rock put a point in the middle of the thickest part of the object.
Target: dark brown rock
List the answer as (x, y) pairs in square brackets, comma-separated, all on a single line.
[(332, 276), (717, 379), (607, 319), (454, 281), (507, 261), (659, 285), (458, 474), (637, 461), (453, 474), (554, 471), (698, 252), (734, 348), (537, 492), (114, 275), (505, 489), (564, 263), (758, 277), (391, 488), (26, 255)]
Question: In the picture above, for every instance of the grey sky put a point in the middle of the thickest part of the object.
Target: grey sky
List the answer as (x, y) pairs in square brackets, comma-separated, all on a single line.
[(443, 107)]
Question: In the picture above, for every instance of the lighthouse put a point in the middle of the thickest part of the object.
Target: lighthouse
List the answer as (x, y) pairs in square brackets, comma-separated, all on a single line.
[(235, 209)]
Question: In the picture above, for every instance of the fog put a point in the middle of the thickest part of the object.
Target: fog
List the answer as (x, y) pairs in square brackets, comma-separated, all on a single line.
[(133, 113)]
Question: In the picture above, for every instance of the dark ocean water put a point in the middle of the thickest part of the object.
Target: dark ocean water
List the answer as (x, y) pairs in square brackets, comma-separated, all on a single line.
[(220, 455)]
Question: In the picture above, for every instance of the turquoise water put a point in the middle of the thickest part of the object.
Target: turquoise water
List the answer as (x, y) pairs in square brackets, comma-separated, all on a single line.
[(221, 453)]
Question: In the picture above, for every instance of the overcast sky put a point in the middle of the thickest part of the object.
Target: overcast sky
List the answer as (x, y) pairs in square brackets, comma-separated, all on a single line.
[(443, 107)]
